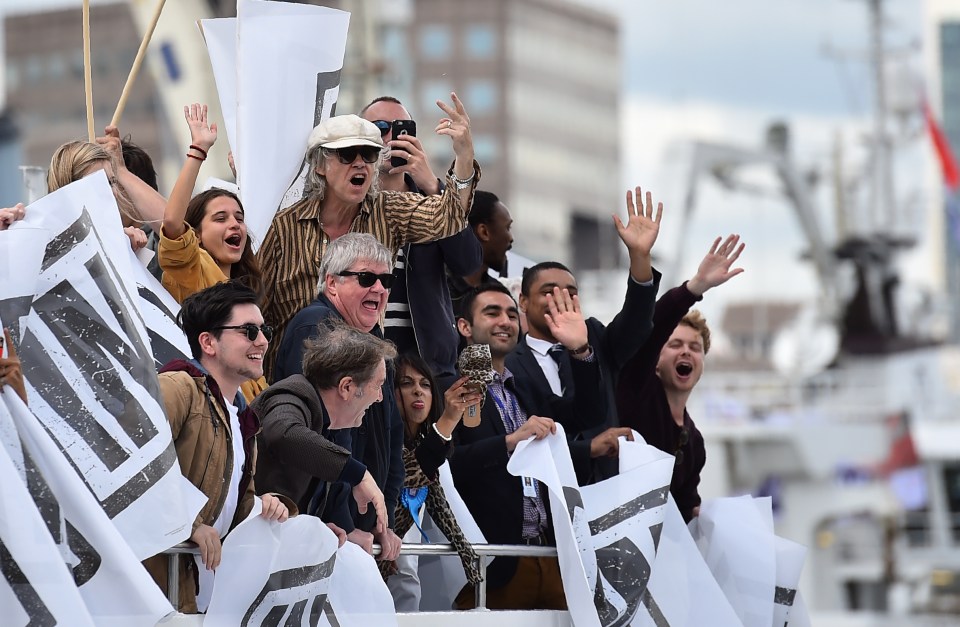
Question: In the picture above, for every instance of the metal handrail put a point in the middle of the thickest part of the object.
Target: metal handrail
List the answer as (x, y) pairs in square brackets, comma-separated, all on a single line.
[(482, 550)]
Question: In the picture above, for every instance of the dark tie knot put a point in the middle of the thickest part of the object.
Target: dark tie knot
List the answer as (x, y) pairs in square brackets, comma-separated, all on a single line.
[(556, 352)]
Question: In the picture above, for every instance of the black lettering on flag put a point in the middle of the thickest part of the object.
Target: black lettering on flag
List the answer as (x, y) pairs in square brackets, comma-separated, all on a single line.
[(622, 564), (108, 354), (644, 502), (164, 351), (61, 530), (288, 593), (30, 601), (784, 596), (326, 83)]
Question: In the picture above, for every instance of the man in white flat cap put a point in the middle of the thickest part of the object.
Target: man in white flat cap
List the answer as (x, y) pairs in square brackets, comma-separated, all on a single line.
[(342, 195)]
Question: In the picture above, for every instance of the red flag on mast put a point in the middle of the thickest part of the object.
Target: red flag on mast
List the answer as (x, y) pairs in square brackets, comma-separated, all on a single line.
[(948, 164)]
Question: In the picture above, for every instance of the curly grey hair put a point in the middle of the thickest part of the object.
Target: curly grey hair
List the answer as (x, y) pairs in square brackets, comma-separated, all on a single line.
[(347, 250), (316, 184), (339, 350)]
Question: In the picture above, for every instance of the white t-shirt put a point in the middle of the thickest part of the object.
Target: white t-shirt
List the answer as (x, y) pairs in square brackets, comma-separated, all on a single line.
[(222, 524)]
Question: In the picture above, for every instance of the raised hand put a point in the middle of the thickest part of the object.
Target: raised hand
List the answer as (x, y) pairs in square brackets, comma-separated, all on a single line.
[(715, 269), (201, 133), (456, 125), (642, 228), (565, 319)]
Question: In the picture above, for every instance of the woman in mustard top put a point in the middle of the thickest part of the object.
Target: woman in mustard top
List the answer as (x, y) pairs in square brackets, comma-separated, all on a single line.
[(204, 240)]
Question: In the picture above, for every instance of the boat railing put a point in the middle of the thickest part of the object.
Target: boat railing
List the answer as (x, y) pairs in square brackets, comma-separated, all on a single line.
[(482, 550)]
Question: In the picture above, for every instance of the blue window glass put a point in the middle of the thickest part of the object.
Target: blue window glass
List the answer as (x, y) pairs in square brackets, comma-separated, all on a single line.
[(434, 41), (480, 41)]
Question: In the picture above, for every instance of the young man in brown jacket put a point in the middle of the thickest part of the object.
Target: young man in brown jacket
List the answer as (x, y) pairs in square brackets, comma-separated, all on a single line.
[(214, 431)]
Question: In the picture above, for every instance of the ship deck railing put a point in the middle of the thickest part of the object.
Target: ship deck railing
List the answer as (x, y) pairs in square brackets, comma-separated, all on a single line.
[(482, 550)]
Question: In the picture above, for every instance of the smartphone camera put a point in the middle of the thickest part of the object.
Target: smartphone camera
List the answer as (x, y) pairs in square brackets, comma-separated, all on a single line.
[(402, 127)]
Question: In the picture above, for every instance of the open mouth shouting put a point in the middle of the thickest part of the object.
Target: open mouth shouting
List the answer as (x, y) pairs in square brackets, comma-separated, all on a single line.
[(358, 180), (684, 369), (234, 241)]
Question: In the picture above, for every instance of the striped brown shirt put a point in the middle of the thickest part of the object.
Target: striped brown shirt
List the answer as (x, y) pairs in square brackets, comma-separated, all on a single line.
[(296, 243)]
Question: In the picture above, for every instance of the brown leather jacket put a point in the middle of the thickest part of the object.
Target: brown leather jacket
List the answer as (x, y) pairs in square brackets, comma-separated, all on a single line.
[(201, 434)]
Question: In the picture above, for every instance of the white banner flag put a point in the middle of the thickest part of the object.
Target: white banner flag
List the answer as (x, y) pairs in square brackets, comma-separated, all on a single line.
[(115, 587), (277, 88), (159, 310), (611, 536), (90, 370), (738, 545), (275, 574), (35, 586)]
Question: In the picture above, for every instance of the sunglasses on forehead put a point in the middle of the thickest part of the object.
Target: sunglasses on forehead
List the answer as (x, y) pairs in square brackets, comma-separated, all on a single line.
[(251, 330), (367, 279), (348, 155)]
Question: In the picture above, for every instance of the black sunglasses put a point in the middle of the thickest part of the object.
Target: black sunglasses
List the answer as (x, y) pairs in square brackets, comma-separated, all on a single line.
[(348, 155), (367, 279), (384, 126), (251, 330)]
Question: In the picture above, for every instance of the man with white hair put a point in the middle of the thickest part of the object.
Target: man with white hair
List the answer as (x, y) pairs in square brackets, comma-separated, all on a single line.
[(355, 282)]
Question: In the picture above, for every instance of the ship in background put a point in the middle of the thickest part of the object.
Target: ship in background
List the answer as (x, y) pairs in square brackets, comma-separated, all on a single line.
[(844, 409)]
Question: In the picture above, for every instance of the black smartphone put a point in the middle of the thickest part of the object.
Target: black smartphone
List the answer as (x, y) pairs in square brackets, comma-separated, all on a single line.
[(402, 127)]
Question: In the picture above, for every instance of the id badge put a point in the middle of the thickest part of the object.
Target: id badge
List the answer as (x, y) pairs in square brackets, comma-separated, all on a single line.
[(529, 487)]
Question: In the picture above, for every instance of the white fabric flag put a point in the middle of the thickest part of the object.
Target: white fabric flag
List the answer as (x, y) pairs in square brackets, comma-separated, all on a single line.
[(682, 591), (275, 574), (115, 587), (220, 35), (737, 542), (35, 586), (790, 558), (277, 89), (357, 593), (90, 370), (625, 554), (607, 534), (159, 310)]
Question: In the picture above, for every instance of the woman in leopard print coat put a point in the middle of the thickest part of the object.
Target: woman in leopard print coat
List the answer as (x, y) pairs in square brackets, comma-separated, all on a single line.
[(428, 427)]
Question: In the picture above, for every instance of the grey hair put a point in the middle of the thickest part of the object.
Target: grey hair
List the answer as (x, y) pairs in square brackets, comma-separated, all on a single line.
[(347, 250), (339, 350), (315, 184)]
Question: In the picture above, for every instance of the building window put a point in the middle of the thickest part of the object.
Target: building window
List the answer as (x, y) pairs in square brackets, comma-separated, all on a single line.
[(432, 91), (485, 147), (33, 69), (435, 41), (13, 75), (480, 96), (480, 41)]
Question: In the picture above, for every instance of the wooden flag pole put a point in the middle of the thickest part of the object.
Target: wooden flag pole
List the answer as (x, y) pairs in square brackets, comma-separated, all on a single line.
[(141, 53), (87, 74)]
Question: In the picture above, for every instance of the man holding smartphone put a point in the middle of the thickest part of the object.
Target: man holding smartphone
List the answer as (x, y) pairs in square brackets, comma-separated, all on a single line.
[(407, 169), (419, 316)]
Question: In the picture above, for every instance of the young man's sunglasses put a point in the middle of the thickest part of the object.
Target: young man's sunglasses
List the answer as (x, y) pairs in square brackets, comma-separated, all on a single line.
[(348, 155), (384, 126), (367, 279), (251, 330)]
